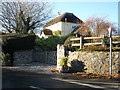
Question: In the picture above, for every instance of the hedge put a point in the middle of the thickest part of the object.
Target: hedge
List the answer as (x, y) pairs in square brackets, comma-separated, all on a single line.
[(50, 43), (13, 42)]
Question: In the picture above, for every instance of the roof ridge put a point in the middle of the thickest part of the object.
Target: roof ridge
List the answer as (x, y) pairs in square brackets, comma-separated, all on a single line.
[(61, 15), (70, 18)]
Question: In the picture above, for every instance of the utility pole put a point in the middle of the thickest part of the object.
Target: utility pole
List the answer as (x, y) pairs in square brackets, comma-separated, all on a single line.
[(110, 62)]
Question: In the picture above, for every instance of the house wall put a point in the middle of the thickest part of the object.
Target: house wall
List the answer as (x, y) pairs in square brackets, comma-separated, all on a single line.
[(64, 27), (67, 27), (55, 27)]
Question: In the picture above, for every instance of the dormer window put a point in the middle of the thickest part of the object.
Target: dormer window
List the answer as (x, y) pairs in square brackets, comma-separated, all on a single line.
[(74, 26)]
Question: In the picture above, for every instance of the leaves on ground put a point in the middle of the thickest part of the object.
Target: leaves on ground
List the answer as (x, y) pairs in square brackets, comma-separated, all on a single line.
[(92, 75)]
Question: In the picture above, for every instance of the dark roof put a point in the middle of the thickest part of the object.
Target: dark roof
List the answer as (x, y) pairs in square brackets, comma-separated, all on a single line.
[(70, 17), (46, 32)]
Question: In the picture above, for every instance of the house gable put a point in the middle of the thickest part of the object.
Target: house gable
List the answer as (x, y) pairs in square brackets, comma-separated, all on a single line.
[(66, 17), (65, 23)]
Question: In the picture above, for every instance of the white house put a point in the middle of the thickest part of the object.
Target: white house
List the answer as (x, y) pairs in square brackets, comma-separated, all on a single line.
[(65, 23)]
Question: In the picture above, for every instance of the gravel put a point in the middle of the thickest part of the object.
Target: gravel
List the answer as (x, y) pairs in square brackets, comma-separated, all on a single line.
[(33, 67)]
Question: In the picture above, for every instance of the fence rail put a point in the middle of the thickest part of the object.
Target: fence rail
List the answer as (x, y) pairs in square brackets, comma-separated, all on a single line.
[(81, 40)]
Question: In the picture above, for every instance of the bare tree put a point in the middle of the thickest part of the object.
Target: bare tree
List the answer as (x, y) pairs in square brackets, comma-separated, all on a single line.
[(22, 17), (96, 26)]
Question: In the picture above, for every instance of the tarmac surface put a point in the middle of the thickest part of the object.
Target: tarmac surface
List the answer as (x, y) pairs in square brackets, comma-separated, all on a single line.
[(38, 76)]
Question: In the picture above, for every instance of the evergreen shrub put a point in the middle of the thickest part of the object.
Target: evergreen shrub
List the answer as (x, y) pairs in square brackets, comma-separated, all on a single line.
[(50, 43), (11, 43)]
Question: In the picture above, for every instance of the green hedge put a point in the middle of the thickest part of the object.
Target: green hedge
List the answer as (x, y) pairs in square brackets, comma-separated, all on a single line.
[(50, 44), (13, 42)]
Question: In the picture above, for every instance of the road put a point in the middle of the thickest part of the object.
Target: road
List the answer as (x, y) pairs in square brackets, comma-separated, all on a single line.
[(15, 80)]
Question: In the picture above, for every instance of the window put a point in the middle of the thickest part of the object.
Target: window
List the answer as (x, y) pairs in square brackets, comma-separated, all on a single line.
[(74, 26)]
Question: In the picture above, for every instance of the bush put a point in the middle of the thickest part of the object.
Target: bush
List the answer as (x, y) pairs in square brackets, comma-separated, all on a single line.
[(50, 43), (63, 61), (13, 42), (68, 44), (6, 59)]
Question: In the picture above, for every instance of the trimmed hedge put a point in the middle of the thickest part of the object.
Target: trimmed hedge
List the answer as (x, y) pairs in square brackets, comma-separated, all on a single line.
[(50, 43), (11, 43)]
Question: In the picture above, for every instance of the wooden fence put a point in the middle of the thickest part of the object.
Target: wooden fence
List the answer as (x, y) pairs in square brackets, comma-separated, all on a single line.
[(80, 41)]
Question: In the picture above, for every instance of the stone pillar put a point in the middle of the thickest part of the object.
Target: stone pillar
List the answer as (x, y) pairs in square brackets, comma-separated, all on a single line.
[(60, 54)]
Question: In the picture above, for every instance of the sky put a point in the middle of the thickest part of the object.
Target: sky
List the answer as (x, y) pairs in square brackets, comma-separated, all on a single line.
[(84, 10)]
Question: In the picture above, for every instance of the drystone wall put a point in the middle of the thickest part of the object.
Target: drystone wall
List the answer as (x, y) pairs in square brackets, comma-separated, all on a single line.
[(35, 55), (23, 57), (49, 57), (96, 61)]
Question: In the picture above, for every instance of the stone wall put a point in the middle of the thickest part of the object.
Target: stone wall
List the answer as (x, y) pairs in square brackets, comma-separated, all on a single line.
[(35, 55), (38, 56), (96, 61), (49, 57), (23, 57)]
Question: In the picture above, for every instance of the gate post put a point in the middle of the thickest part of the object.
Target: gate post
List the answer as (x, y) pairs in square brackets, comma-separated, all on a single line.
[(60, 54)]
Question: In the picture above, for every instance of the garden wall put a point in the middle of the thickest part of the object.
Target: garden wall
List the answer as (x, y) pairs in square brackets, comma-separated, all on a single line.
[(96, 61), (23, 57), (34, 55)]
